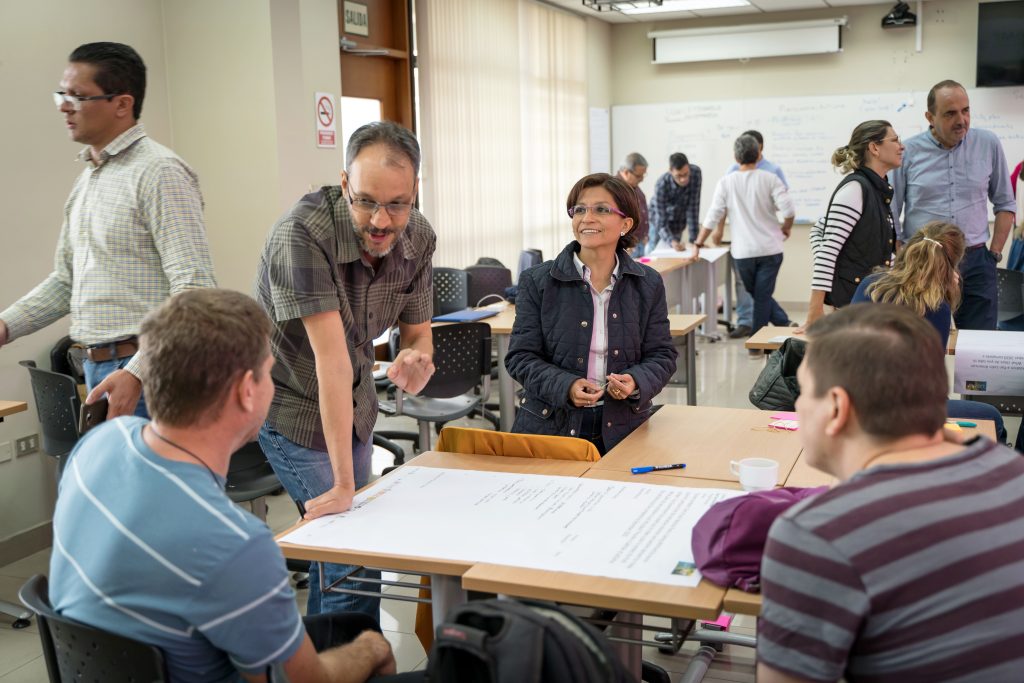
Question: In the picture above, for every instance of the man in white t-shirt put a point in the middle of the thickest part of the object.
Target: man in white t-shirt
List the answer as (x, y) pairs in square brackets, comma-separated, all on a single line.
[(752, 198)]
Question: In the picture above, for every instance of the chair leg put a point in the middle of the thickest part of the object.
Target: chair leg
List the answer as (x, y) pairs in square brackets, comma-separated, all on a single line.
[(259, 508), (424, 436)]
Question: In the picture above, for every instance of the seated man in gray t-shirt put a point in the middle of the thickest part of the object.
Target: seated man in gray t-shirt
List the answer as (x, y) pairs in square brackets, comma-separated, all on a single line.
[(145, 542), (910, 569)]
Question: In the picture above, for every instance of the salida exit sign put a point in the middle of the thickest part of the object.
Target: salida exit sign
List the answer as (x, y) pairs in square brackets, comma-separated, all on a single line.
[(357, 19)]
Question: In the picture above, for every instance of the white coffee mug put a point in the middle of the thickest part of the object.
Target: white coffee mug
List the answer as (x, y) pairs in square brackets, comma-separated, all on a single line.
[(755, 474)]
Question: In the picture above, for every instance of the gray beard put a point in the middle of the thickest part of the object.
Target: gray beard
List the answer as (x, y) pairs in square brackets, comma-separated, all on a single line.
[(376, 253)]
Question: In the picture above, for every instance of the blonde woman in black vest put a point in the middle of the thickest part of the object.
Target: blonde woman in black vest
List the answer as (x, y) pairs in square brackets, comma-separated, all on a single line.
[(856, 235)]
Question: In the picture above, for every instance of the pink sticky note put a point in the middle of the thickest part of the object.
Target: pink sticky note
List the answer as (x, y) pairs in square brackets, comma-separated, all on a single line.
[(784, 416), (719, 624), (644, 259)]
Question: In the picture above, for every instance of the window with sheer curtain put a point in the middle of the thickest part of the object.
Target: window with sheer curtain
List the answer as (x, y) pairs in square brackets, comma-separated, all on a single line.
[(503, 125)]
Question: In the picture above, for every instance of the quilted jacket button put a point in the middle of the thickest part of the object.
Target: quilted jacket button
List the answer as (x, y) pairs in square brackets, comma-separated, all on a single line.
[(615, 316), (584, 323), (572, 432), (609, 424), (544, 412), (615, 352)]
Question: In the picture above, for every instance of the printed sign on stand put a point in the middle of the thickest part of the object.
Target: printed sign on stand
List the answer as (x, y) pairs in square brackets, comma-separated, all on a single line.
[(326, 121)]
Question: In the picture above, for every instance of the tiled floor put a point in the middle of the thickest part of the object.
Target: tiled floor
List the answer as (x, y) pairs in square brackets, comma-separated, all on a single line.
[(725, 375)]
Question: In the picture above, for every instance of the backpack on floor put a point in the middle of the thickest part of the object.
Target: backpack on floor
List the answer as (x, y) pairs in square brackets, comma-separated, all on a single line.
[(520, 641)]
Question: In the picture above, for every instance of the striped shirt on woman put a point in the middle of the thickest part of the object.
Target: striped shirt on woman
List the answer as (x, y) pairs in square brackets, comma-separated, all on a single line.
[(906, 572)]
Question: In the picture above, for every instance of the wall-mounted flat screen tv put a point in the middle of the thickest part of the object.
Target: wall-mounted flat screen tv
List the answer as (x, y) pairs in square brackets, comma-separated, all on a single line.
[(1000, 43)]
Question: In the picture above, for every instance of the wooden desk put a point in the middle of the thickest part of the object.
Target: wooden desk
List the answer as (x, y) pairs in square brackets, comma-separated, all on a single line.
[(741, 602), (704, 438), (768, 338), (501, 329), (11, 407)]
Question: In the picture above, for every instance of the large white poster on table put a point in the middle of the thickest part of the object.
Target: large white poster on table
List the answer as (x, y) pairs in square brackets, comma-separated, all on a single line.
[(989, 363), (620, 530)]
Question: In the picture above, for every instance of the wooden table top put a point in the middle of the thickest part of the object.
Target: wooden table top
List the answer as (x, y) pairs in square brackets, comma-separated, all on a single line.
[(706, 439), (12, 407), (765, 339), (684, 323), (741, 602), (487, 463)]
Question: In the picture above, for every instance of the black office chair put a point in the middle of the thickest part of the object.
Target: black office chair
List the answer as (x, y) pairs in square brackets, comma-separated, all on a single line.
[(251, 478), (76, 652), (488, 261), (487, 284), (1010, 286), (58, 405), (451, 290), (462, 358)]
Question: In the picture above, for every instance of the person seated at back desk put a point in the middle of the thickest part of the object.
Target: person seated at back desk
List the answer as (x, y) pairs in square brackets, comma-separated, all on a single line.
[(591, 344), (925, 277), (910, 568), (147, 545)]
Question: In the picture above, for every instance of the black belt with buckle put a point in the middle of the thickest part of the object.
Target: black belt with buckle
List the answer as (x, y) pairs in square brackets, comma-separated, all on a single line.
[(122, 348)]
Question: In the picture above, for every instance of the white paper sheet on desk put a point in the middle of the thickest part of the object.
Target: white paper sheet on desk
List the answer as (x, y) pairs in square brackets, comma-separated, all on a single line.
[(620, 530), (706, 254), (988, 362)]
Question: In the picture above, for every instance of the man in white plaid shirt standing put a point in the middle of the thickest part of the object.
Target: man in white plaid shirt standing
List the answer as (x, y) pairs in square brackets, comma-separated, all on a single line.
[(132, 234)]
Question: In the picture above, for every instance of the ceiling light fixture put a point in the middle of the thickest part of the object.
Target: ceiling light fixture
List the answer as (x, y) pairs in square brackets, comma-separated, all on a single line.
[(682, 6)]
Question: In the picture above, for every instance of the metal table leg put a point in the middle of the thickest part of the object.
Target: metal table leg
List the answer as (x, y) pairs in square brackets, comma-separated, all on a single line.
[(445, 593), (691, 368), (506, 387)]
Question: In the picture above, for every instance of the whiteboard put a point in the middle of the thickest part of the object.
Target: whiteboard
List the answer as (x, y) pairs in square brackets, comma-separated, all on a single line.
[(800, 134)]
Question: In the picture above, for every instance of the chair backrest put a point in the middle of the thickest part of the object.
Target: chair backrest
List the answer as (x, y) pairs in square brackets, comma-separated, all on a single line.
[(76, 652), (488, 261), (58, 405), (529, 258), (462, 359), (1010, 285), (451, 290), (61, 359), (487, 281), (487, 442)]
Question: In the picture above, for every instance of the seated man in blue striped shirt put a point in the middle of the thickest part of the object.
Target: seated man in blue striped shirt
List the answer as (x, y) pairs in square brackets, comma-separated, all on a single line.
[(911, 568), (146, 543)]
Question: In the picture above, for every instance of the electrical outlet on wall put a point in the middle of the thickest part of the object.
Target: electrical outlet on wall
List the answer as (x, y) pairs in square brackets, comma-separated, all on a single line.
[(26, 445), (6, 452)]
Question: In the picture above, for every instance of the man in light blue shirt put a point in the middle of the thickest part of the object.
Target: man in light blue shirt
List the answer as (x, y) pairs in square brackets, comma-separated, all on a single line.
[(745, 302), (147, 545), (950, 173)]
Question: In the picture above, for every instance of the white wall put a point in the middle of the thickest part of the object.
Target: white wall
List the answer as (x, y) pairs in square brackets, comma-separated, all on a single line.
[(873, 60), (39, 168), (230, 88)]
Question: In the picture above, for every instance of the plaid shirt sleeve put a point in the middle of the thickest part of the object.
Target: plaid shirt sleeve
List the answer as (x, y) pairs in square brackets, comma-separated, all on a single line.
[(48, 301), (299, 274), (693, 198), (420, 307), (659, 210), (172, 207)]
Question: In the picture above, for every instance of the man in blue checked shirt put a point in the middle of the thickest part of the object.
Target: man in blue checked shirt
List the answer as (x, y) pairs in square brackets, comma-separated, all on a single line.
[(132, 234), (675, 206), (950, 172)]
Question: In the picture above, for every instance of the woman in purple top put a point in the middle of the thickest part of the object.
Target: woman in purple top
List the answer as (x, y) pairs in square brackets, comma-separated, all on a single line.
[(926, 278)]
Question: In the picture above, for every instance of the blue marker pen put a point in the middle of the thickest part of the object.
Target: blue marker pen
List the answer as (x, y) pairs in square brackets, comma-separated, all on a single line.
[(657, 468)]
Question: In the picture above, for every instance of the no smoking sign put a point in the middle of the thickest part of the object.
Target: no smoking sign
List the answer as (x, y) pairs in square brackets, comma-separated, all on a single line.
[(326, 122)]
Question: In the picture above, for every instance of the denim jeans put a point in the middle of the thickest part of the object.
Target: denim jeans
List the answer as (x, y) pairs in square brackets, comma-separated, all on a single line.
[(745, 305), (97, 372), (759, 274), (306, 473), (590, 428), (978, 309)]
